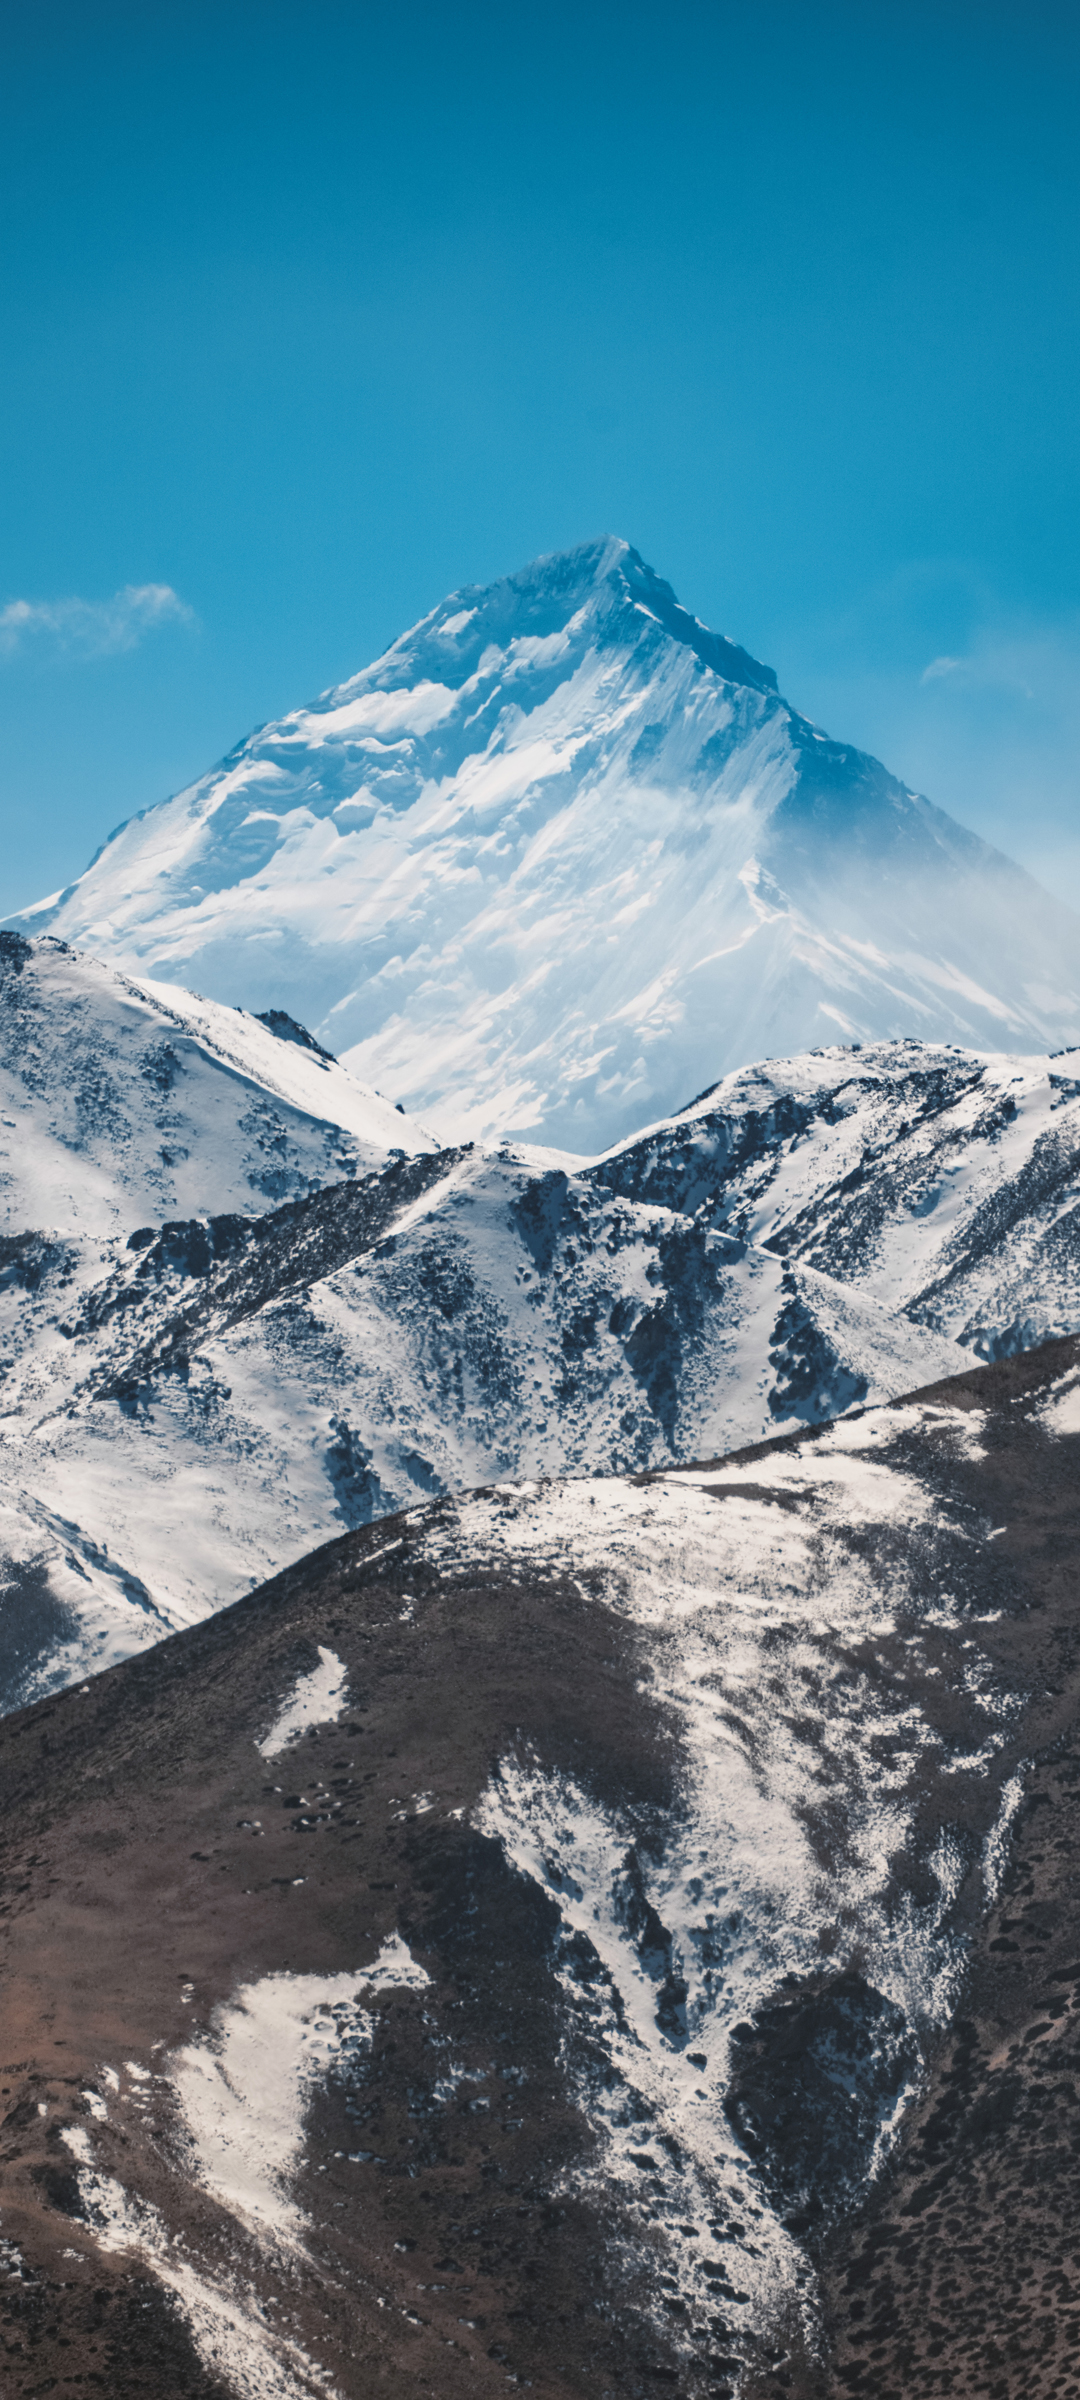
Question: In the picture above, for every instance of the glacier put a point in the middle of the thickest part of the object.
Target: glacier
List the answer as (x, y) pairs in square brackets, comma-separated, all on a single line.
[(559, 858)]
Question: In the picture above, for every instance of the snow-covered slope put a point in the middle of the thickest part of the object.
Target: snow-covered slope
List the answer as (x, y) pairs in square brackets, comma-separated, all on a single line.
[(942, 1184), (186, 1410), (123, 1101), (559, 857), (213, 1407)]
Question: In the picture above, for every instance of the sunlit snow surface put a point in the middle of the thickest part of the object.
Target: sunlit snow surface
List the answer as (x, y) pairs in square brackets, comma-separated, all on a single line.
[(244, 2094), (559, 857), (1061, 1413), (228, 2327), (124, 1103)]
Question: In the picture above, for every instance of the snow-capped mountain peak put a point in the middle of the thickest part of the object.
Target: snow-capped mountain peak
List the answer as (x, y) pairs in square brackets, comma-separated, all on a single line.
[(559, 857), (602, 590)]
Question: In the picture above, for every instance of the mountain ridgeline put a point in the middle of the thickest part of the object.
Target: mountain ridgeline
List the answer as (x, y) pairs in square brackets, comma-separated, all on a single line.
[(246, 1304)]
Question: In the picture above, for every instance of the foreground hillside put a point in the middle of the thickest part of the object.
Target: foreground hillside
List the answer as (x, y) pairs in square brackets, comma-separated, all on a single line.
[(603, 1936), (562, 855), (192, 1400)]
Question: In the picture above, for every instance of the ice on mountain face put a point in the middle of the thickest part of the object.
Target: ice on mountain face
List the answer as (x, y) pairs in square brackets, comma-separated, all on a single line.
[(124, 1103), (560, 856)]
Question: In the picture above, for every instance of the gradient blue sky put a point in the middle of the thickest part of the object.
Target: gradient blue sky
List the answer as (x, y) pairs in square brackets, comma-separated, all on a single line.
[(311, 313)]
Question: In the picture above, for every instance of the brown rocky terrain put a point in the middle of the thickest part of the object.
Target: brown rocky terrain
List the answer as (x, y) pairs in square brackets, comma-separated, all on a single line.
[(447, 2218)]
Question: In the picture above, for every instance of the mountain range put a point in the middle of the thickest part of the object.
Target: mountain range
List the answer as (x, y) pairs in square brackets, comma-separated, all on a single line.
[(538, 1604), (354, 1319), (561, 857)]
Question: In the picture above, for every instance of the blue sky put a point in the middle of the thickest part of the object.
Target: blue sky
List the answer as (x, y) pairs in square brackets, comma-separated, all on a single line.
[(310, 314)]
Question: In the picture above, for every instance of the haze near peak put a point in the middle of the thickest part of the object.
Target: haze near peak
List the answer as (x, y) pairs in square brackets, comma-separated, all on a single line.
[(561, 855)]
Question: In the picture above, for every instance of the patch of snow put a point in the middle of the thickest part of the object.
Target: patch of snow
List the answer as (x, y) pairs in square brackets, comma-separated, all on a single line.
[(998, 1840), (1061, 1413), (244, 2094), (316, 1699)]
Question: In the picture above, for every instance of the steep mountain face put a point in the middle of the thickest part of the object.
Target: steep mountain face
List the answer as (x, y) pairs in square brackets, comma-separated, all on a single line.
[(567, 1902), (559, 857), (187, 1408)]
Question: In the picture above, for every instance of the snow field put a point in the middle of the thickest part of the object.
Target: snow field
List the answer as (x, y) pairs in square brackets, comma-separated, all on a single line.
[(316, 1699)]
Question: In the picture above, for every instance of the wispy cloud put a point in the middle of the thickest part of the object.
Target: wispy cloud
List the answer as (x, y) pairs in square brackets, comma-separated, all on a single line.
[(91, 628), (993, 660)]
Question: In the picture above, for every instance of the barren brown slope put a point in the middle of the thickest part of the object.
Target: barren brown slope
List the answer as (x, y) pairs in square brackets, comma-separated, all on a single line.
[(151, 1869), (131, 1874)]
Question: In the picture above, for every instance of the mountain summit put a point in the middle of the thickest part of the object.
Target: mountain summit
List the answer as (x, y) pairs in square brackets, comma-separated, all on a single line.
[(560, 857)]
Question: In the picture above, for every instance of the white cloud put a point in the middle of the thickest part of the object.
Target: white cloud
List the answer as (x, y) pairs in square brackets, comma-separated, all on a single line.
[(992, 660), (91, 628)]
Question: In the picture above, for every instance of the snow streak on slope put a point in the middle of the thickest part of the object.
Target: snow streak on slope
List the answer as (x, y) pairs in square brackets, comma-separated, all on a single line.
[(228, 2327), (124, 1101), (560, 855), (806, 1624), (316, 1699)]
